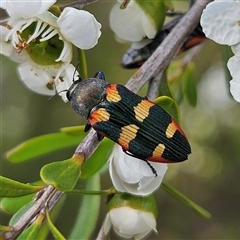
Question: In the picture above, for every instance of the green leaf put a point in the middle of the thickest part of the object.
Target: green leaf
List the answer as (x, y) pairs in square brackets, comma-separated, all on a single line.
[(41, 145), (31, 232), (86, 223), (44, 230), (73, 130), (11, 188), (20, 213), (57, 235), (169, 5), (12, 205), (189, 84), (98, 159), (63, 175), (164, 90), (5, 229), (164, 102), (169, 188), (155, 10)]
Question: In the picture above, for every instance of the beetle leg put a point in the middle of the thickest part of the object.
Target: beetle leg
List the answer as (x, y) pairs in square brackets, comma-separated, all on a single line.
[(148, 163), (87, 127), (100, 137)]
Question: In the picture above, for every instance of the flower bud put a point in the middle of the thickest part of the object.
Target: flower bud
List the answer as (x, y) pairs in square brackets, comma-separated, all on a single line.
[(131, 216)]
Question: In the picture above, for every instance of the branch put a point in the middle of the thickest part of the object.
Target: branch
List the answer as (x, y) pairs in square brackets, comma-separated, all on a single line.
[(47, 197), (78, 4)]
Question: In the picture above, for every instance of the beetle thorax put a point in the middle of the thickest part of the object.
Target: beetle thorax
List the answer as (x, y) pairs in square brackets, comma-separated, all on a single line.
[(85, 95)]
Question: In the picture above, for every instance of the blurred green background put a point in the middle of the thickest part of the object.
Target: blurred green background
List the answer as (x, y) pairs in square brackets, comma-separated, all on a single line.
[(210, 177)]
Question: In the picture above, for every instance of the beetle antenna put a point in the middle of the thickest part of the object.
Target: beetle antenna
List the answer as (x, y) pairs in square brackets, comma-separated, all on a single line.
[(57, 93), (79, 77)]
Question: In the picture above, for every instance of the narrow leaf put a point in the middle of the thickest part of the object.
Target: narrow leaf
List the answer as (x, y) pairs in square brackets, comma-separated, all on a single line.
[(63, 175), (12, 205), (169, 5), (164, 102), (31, 232), (86, 221), (41, 145), (190, 84), (169, 188), (57, 235), (44, 230), (20, 213), (164, 90), (5, 229), (11, 188), (73, 130), (155, 10)]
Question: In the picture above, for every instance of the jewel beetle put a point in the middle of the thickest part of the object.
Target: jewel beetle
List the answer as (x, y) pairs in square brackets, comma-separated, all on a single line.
[(143, 129), (134, 58)]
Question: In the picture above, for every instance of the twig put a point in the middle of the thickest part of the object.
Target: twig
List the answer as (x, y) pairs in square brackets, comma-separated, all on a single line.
[(48, 196), (78, 4), (153, 87)]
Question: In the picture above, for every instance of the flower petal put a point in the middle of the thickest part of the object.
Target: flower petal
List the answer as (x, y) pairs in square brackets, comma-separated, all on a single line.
[(127, 27), (133, 175), (220, 22), (6, 48), (235, 89), (79, 27), (35, 78), (68, 79), (233, 66), (28, 8)]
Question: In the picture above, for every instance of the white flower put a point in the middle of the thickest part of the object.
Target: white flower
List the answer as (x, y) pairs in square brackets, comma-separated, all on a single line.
[(131, 216), (42, 42), (133, 175), (233, 66), (135, 23), (221, 23)]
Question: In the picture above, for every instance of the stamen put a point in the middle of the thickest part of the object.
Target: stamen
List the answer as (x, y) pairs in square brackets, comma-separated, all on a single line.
[(38, 30), (50, 28), (50, 84), (49, 36), (28, 23), (60, 71), (65, 54)]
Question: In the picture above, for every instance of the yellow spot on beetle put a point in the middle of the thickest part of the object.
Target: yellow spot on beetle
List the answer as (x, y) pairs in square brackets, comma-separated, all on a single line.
[(100, 115), (112, 93), (142, 110), (171, 129), (158, 151), (128, 133)]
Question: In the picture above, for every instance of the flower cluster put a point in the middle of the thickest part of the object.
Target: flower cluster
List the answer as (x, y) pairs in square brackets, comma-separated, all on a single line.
[(41, 41), (133, 176), (220, 21)]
